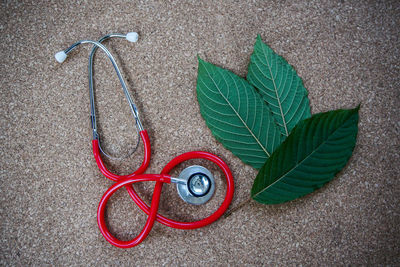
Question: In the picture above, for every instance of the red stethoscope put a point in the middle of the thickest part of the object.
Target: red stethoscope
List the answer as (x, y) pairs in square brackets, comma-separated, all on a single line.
[(195, 184)]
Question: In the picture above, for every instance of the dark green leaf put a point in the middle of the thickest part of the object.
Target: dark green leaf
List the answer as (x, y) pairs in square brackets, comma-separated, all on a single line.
[(236, 114), (314, 152), (280, 86)]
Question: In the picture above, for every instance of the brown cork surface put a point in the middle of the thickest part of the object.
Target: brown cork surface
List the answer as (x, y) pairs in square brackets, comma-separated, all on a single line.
[(347, 52)]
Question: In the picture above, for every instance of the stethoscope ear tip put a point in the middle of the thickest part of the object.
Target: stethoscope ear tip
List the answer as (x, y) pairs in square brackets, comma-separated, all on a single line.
[(132, 37), (60, 56)]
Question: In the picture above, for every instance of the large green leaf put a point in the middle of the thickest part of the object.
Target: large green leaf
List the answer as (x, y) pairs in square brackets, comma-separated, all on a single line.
[(236, 114), (314, 152), (280, 86)]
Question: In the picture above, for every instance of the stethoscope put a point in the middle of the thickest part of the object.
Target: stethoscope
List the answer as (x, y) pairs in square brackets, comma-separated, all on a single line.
[(195, 184)]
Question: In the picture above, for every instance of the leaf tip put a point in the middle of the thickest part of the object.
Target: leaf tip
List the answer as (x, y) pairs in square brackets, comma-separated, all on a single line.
[(258, 39), (200, 60), (356, 109)]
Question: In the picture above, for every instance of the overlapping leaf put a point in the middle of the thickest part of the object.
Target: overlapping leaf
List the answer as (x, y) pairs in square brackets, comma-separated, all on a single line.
[(236, 114), (280, 86), (314, 152)]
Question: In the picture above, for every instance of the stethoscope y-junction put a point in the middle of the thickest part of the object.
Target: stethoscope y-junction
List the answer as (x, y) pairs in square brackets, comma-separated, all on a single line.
[(195, 184)]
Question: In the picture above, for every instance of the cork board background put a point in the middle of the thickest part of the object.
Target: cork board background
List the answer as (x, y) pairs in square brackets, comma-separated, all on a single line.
[(347, 52)]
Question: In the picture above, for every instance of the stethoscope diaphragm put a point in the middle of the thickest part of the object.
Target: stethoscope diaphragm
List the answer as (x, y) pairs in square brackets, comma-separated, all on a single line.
[(197, 186)]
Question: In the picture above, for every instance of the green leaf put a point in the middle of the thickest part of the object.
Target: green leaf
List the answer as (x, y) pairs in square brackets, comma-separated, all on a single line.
[(314, 152), (236, 114), (280, 86)]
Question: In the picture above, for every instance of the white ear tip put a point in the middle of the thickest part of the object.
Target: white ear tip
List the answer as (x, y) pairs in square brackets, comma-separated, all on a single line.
[(60, 56), (132, 37)]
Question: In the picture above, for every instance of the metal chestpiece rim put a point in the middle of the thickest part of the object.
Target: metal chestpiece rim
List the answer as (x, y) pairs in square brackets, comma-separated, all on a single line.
[(199, 186)]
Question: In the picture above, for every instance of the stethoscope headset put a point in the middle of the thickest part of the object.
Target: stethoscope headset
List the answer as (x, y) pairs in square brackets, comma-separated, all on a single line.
[(195, 184)]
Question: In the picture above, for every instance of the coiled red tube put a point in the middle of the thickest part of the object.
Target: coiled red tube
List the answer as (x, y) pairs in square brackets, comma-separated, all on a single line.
[(137, 176), (150, 219)]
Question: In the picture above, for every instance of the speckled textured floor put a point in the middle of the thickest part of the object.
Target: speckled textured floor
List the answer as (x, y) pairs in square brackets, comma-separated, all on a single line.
[(347, 52)]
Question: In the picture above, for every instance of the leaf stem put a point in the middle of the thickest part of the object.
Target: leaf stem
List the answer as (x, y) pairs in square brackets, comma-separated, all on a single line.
[(237, 208)]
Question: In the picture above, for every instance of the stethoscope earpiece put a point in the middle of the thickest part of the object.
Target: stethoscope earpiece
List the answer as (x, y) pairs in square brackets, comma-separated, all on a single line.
[(132, 37), (196, 185), (60, 56)]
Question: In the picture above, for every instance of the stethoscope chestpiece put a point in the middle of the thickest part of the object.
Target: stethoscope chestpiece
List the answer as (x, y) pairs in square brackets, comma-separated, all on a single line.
[(198, 185)]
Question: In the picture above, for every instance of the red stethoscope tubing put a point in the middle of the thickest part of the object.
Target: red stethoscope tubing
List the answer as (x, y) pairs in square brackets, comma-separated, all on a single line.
[(115, 177), (137, 176), (159, 178)]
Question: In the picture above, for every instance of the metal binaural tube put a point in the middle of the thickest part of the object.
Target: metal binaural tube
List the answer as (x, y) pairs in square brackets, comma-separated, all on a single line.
[(97, 44)]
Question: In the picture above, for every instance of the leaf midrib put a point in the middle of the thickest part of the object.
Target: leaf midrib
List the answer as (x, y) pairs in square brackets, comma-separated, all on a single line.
[(276, 90), (286, 173), (259, 143)]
